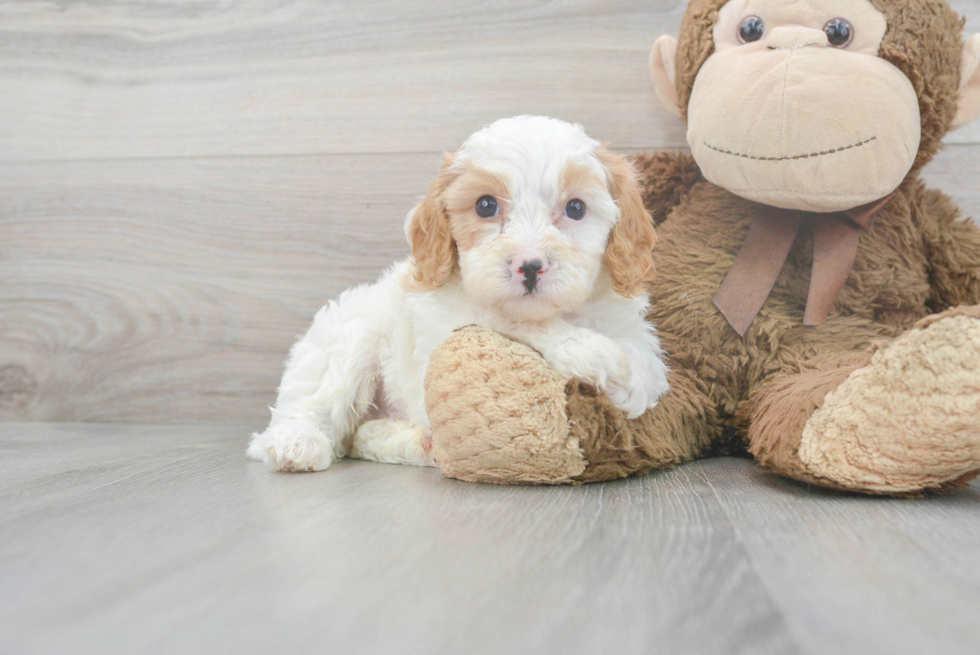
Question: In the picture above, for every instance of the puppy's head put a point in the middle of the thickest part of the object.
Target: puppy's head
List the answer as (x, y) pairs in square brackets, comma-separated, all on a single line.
[(532, 214)]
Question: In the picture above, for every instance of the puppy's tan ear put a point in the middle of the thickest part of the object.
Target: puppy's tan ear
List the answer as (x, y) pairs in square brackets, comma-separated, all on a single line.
[(433, 249), (629, 254)]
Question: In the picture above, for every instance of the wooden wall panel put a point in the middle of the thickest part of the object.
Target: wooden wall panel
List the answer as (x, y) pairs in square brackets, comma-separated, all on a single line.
[(265, 77), (172, 289)]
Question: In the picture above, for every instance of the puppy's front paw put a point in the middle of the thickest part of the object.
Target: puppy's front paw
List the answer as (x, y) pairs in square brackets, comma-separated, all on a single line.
[(632, 399), (295, 445), (593, 358), (647, 384)]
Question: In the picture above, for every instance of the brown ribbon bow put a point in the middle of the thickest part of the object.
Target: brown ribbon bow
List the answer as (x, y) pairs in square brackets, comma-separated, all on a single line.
[(835, 244)]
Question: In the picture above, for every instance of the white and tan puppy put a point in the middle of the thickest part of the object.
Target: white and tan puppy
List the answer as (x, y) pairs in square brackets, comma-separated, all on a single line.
[(532, 229)]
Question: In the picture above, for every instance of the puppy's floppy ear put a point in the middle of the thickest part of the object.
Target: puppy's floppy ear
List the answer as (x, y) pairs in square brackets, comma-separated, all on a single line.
[(629, 254), (433, 249)]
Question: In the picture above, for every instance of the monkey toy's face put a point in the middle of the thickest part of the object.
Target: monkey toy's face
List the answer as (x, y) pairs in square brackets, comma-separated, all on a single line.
[(821, 122), (795, 109)]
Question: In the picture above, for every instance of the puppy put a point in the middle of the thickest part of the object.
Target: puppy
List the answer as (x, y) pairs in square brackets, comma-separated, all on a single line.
[(532, 229)]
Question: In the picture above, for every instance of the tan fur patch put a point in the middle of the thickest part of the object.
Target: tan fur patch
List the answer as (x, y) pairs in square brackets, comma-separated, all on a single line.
[(433, 249), (579, 178), (471, 185), (461, 198), (629, 254), (467, 229)]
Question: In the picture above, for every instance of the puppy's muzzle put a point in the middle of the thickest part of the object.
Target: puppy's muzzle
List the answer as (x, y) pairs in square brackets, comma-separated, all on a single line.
[(529, 269)]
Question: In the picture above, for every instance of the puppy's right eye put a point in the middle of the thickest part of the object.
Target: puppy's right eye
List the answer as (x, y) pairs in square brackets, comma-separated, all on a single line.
[(487, 207), (575, 209)]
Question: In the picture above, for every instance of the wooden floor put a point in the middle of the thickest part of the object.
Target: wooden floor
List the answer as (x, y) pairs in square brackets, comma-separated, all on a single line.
[(162, 539)]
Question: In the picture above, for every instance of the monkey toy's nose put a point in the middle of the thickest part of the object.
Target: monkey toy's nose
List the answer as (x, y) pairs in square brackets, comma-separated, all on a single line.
[(530, 268), (793, 37)]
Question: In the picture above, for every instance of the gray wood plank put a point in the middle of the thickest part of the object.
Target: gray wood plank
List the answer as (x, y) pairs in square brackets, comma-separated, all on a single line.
[(86, 80), (859, 575), (956, 172), (163, 539), (171, 290)]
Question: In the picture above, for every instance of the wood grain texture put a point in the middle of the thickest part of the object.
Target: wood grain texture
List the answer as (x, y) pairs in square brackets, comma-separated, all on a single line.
[(171, 290), (159, 539), (88, 80), (956, 172), (858, 575)]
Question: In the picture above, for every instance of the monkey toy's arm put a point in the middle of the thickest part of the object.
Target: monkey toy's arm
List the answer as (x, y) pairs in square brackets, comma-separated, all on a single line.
[(952, 248), (665, 178)]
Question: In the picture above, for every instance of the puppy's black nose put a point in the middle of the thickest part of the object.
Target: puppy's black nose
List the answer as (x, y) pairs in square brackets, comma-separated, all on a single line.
[(530, 270)]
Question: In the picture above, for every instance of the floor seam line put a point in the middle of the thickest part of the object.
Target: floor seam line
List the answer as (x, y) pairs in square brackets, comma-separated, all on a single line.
[(740, 540)]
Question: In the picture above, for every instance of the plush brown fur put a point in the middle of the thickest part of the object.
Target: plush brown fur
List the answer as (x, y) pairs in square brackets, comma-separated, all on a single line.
[(615, 447), (774, 416), (667, 178), (920, 258), (772, 380)]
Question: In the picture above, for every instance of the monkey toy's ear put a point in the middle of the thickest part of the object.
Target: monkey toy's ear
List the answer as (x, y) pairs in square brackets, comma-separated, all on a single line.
[(968, 104), (663, 65)]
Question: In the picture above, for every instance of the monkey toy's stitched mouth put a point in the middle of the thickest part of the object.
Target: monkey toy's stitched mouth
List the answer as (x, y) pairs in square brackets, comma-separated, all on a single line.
[(806, 156)]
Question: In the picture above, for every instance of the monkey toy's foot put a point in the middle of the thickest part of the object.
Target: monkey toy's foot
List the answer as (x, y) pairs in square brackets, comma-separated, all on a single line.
[(498, 413), (909, 420)]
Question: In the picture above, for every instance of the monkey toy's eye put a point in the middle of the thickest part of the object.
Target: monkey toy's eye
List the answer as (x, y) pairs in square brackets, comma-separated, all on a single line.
[(487, 207), (751, 29), (575, 209), (840, 32)]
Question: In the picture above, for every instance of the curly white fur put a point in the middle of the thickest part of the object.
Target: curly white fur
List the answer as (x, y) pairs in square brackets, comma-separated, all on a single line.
[(353, 384)]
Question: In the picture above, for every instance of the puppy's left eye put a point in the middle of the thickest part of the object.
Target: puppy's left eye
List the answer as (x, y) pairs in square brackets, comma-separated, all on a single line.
[(487, 207), (575, 209)]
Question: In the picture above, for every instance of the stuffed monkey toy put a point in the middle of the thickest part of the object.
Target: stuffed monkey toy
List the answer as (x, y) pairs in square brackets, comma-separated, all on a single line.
[(818, 304)]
